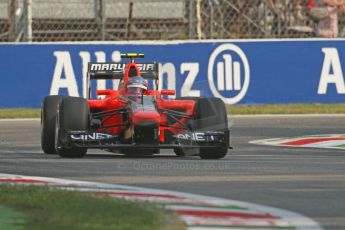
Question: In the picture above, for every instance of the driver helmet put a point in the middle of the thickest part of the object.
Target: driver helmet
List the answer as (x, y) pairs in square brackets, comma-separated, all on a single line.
[(136, 85)]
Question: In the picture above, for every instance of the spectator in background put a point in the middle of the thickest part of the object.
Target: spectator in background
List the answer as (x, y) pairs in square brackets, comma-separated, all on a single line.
[(300, 5), (278, 16), (243, 10), (310, 4), (278, 8), (328, 27)]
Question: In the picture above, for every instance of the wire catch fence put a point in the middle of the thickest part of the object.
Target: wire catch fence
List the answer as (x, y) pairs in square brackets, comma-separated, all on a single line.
[(112, 20)]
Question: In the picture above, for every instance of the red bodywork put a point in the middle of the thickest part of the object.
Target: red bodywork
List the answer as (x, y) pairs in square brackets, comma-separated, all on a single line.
[(114, 99)]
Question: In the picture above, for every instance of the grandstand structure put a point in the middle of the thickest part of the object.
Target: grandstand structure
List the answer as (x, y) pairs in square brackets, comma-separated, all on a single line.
[(113, 20)]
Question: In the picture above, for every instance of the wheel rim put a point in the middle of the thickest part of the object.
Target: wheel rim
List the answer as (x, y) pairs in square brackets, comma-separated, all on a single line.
[(57, 131)]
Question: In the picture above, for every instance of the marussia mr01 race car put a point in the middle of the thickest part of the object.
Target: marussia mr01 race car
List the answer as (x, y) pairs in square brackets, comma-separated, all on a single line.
[(133, 119)]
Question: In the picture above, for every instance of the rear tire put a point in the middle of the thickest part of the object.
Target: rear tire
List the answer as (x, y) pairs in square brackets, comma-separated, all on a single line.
[(73, 114), (48, 120)]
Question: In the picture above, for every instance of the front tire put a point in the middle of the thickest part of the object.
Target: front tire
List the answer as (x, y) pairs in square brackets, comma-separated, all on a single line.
[(48, 120), (211, 115), (73, 114)]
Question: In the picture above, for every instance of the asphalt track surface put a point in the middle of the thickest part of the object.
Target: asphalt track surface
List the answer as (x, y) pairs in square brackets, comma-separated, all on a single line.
[(307, 181)]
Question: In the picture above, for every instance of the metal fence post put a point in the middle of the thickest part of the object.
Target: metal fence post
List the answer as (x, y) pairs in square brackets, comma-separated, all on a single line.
[(211, 19), (129, 21), (279, 7), (191, 31), (100, 17), (28, 20), (12, 8), (198, 19)]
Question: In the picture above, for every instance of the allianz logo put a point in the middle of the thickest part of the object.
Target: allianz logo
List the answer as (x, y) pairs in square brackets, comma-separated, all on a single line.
[(225, 73), (228, 74)]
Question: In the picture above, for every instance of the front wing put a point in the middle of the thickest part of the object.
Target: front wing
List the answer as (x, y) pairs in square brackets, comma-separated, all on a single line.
[(87, 139)]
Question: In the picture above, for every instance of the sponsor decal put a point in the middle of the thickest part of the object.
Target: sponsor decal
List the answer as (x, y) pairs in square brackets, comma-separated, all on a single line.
[(196, 136), (331, 72), (90, 136), (228, 73), (119, 67)]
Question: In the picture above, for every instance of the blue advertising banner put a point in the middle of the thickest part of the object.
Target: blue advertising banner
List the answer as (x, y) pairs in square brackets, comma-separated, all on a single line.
[(239, 72)]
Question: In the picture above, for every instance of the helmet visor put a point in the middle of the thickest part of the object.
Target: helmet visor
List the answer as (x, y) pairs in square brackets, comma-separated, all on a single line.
[(135, 90)]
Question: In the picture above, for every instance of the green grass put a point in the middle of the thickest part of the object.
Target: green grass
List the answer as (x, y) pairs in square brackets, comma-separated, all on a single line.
[(233, 109), (10, 219), (54, 210), (287, 109), (20, 113)]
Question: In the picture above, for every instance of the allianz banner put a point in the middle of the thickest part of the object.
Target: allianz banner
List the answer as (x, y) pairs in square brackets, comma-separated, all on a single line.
[(239, 72)]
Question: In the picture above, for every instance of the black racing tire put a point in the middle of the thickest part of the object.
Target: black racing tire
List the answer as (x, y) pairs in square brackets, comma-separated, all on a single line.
[(48, 119), (211, 115), (179, 152), (216, 152), (73, 114), (191, 151)]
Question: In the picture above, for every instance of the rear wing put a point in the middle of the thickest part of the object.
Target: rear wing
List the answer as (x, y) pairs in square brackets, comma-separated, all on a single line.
[(105, 71), (109, 71)]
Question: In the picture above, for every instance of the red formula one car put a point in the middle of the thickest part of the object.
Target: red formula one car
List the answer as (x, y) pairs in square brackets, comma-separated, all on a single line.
[(133, 119)]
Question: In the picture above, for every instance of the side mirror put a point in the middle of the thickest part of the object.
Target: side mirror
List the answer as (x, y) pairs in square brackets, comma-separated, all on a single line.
[(168, 92)]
